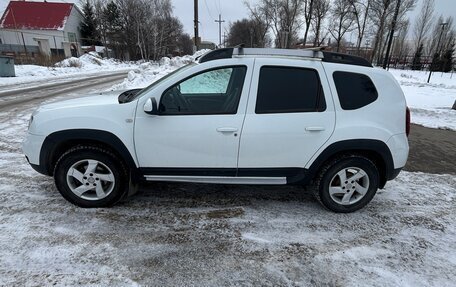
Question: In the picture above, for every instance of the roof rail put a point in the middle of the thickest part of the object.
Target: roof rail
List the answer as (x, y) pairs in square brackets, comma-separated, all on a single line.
[(317, 53)]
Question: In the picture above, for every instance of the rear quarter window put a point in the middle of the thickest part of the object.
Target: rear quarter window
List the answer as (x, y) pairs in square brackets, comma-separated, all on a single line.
[(354, 90)]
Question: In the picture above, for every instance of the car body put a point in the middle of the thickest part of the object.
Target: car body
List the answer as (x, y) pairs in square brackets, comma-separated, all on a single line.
[(236, 116)]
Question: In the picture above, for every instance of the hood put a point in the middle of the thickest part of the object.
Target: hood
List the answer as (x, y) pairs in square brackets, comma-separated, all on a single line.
[(102, 99)]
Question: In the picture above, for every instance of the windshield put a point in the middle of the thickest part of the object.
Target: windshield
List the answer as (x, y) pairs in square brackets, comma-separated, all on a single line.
[(154, 84)]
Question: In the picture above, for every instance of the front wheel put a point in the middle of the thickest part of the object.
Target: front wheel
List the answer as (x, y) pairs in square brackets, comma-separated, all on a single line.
[(90, 177), (347, 183)]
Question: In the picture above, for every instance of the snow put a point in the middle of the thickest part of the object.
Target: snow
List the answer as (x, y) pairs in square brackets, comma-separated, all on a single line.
[(223, 235), (149, 72), (220, 235), (430, 103), (86, 65)]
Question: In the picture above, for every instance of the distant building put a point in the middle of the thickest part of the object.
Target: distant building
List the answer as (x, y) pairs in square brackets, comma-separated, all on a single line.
[(207, 45), (46, 28)]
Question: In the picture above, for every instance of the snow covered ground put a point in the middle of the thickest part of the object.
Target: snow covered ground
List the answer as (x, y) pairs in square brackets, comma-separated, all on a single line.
[(86, 65), (221, 235), (430, 103)]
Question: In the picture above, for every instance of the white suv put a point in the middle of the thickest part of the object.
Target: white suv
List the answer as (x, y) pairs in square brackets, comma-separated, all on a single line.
[(235, 116)]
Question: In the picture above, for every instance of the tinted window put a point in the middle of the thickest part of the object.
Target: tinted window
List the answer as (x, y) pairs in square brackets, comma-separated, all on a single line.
[(354, 90), (287, 90), (211, 92)]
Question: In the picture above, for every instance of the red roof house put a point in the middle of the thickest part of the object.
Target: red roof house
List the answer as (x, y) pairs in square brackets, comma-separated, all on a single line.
[(36, 15), (42, 26)]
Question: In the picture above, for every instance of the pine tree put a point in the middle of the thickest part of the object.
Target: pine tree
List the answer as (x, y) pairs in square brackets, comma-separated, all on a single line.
[(436, 63), (88, 26), (416, 64), (447, 59)]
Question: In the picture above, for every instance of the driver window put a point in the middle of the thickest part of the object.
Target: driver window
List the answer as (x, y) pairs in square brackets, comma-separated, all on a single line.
[(215, 91)]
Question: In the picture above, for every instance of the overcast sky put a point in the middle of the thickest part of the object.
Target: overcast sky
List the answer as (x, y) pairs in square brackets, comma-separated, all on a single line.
[(233, 10)]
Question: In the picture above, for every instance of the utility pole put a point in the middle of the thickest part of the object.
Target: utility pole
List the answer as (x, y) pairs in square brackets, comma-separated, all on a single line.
[(220, 21), (390, 40), (437, 50), (195, 23)]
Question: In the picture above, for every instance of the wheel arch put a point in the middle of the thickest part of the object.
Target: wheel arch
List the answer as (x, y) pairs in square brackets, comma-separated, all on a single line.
[(57, 143), (375, 150)]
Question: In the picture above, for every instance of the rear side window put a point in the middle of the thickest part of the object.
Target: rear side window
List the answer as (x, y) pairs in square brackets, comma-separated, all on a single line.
[(354, 90), (289, 90)]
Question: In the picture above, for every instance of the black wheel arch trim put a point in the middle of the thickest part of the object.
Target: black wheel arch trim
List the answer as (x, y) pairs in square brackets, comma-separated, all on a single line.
[(55, 141), (358, 146)]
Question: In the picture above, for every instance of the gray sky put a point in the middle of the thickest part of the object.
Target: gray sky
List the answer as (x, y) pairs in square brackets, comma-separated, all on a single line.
[(233, 10)]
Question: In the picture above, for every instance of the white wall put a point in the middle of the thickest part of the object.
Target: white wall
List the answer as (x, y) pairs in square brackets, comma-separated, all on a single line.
[(55, 37), (15, 37), (73, 24)]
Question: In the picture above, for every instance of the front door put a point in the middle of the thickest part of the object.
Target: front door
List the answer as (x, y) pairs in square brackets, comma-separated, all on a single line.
[(199, 124)]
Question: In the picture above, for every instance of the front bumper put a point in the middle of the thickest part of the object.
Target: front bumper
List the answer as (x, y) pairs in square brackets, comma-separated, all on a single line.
[(32, 148)]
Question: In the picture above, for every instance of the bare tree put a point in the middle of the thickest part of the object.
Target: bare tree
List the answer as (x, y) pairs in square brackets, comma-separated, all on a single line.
[(381, 9), (320, 11), (285, 17), (308, 12), (263, 21), (248, 32), (401, 47), (382, 18), (341, 21), (446, 35), (360, 10), (423, 22)]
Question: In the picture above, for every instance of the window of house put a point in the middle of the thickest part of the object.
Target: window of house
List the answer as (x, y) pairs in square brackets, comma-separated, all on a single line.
[(289, 90), (354, 90), (71, 37), (216, 91)]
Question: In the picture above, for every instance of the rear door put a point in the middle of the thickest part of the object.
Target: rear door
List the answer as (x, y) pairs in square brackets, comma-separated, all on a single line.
[(290, 115)]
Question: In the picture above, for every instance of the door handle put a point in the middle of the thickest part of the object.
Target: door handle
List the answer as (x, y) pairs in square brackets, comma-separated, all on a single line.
[(227, 130), (315, 129)]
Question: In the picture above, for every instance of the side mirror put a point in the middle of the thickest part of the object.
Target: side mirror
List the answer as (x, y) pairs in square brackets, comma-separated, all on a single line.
[(150, 107)]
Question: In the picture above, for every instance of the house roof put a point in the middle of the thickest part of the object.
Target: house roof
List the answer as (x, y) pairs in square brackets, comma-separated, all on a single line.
[(35, 15)]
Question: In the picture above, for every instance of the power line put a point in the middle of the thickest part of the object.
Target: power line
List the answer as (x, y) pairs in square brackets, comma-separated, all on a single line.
[(208, 10)]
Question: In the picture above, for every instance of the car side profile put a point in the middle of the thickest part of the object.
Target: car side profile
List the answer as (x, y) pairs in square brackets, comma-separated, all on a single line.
[(234, 116)]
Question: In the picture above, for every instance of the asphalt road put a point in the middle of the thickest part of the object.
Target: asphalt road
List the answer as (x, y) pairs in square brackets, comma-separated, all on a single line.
[(179, 234), (17, 97), (432, 150)]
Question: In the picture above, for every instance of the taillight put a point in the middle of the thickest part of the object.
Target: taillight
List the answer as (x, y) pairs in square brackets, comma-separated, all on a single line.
[(407, 121)]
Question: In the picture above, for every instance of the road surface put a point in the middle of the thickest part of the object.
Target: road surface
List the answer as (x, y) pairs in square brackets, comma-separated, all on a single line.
[(177, 234)]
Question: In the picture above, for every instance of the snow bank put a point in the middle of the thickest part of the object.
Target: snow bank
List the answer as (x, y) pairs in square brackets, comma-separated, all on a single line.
[(430, 103), (149, 72), (87, 64)]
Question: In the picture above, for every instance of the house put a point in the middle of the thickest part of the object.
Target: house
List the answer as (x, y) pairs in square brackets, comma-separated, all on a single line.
[(46, 28)]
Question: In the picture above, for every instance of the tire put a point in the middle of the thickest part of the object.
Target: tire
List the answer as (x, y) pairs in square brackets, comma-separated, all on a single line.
[(91, 177), (347, 183)]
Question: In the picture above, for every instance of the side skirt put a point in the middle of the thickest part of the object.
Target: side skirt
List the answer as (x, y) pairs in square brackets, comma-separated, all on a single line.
[(219, 179)]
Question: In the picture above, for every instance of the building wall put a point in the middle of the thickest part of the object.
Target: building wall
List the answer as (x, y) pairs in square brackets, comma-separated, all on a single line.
[(73, 25), (55, 38)]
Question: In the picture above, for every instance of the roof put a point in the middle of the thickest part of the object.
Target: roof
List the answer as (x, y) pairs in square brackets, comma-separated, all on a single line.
[(313, 53), (35, 15)]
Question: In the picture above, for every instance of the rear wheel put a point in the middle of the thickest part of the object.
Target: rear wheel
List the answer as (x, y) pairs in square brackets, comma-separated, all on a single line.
[(347, 183), (90, 177)]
